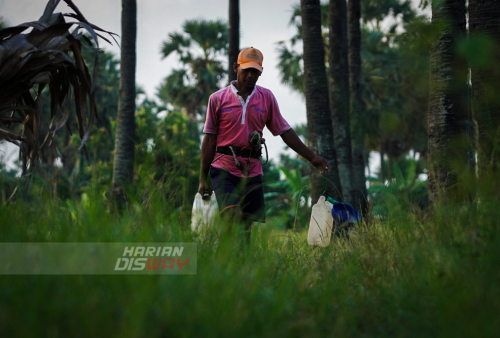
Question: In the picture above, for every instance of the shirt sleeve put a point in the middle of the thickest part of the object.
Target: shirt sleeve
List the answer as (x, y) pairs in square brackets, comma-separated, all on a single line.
[(276, 124), (212, 118)]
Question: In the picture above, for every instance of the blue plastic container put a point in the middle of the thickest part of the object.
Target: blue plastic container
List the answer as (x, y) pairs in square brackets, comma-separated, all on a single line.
[(343, 212)]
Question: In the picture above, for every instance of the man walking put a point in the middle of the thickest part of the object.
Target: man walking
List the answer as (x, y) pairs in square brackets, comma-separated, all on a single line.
[(230, 150)]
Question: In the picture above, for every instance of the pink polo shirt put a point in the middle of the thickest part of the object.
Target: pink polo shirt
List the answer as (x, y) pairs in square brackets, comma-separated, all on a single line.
[(233, 120)]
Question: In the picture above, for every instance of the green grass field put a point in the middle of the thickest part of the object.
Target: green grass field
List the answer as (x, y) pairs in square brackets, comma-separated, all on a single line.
[(433, 276)]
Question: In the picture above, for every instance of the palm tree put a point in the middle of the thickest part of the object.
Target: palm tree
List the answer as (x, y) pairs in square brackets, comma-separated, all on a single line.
[(448, 87), (290, 62), (123, 169), (357, 107), (484, 26), (374, 12), (339, 93), (319, 125), (233, 37), (189, 87), (394, 89)]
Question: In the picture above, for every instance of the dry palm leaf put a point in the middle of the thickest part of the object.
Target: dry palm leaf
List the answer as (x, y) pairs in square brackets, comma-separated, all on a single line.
[(46, 54)]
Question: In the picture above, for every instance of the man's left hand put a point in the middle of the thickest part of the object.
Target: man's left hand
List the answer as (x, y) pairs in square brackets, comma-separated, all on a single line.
[(321, 164)]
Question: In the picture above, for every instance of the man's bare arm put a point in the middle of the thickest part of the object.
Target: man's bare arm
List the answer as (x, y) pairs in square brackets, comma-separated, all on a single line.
[(295, 143), (207, 155)]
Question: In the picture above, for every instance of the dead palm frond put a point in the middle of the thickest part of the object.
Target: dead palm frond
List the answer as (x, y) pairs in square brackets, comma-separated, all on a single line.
[(46, 54)]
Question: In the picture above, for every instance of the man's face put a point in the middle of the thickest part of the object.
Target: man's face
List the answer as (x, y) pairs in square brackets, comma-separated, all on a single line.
[(247, 77)]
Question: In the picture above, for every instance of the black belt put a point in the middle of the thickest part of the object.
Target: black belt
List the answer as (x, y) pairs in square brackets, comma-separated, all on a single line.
[(246, 153)]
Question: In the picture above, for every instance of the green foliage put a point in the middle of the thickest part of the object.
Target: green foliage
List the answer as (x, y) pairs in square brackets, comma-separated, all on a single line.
[(288, 190), (407, 276), (480, 50), (373, 11), (166, 149), (73, 175), (395, 91), (287, 199), (175, 150), (394, 87), (8, 183), (200, 48), (291, 67), (407, 192), (482, 53), (403, 162)]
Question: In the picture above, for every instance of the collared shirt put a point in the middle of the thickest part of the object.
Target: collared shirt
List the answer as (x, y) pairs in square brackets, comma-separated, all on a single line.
[(234, 119)]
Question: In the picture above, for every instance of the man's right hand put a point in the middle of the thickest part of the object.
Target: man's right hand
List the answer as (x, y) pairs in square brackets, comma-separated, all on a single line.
[(321, 164), (204, 188)]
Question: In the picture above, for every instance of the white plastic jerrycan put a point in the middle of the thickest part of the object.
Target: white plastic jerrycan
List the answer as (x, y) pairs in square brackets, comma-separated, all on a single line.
[(321, 224), (205, 210)]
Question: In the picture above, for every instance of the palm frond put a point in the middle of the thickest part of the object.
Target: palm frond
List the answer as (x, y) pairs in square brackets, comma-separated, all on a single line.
[(291, 68), (175, 43), (46, 54)]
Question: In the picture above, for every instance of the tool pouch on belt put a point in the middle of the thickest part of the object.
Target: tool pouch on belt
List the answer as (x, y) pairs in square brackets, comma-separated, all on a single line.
[(238, 152), (255, 151)]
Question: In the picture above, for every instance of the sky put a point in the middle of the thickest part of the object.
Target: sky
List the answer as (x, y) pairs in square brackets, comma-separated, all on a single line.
[(262, 24)]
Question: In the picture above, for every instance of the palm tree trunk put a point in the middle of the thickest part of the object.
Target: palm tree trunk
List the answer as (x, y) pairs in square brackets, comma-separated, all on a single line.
[(319, 120), (339, 93), (484, 22), (447, 107), (390, 166), (66, 158), (123, 169), (367, 162), (382, 163), (233, 37), (357, 107)]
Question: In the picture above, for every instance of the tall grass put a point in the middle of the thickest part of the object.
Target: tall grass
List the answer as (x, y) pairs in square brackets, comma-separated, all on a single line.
[(407, 276)]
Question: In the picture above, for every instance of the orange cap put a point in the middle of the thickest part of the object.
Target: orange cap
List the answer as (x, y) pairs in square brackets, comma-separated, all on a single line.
[(250, 58)]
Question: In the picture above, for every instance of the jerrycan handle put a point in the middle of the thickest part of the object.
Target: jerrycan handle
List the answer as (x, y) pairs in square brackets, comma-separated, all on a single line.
[(331, 200), (206, 197), (328, 198)]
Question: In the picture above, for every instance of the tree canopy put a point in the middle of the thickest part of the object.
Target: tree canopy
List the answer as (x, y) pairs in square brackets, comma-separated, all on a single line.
[(200, 48)]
